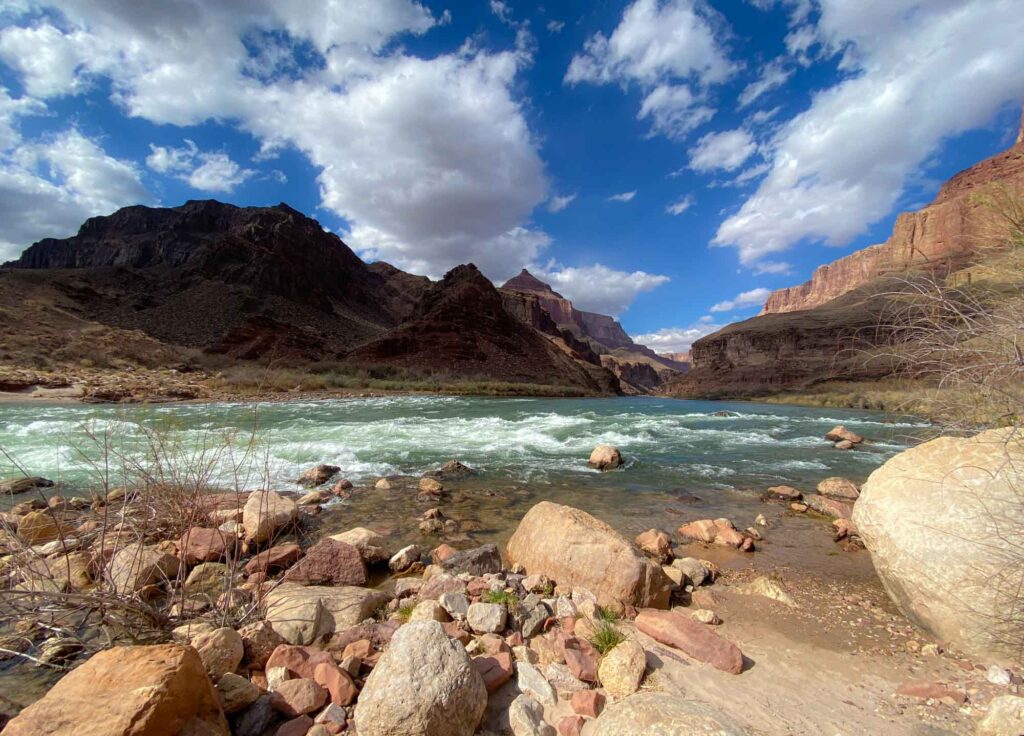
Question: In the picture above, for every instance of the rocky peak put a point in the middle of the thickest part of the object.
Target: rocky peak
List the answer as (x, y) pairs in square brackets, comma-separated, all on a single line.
[(526, 281)]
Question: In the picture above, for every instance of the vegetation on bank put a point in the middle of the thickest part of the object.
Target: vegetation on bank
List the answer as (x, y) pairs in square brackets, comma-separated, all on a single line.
[(251, 379)]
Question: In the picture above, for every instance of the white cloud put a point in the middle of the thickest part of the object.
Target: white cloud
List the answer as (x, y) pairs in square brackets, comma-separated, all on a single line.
[(555, 26), (502, 10), (843, 163), (775, 75), (557, 204), (680, 205), (430, 161), (726, 150), (622, 197), (598, 288), (50, 186), (677, 339), (674, 110), (208, 172), (752, 298), (670, 50)]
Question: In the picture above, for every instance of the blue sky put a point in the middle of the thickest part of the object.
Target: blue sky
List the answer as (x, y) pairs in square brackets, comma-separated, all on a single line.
[(668, 161)]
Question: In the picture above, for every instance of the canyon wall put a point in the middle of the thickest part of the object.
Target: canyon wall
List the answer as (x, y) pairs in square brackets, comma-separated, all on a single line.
[(941, 236)]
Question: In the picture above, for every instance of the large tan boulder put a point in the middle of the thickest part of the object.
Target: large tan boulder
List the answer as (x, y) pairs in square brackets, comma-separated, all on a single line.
[(266, 513), (605, 457), (424, 685), (371, 545), (303, 614), (160, 690), (573, 548), (943, 522), (661, 714)]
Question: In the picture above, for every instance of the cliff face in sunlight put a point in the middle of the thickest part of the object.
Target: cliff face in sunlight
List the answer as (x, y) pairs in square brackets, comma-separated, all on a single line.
[(941, 236)]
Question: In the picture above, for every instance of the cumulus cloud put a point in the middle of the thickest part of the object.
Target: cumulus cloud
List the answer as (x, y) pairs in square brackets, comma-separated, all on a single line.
[(680, 205), (677, 339), (48, 187), (752, 298), (670, 50), (557, 204), (843, 164), (726, 150), (439, 166), (206, 171), (622, 197), (598, 288)]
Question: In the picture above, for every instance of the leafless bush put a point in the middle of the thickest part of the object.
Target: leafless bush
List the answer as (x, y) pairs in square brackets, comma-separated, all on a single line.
[(105, 572)]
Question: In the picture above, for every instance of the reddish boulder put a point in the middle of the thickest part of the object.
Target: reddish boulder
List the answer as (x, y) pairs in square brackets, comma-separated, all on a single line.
[(296, 698), (329, 562), (571, 726), (496, 670), (693, 639), (130, 691), (588, 702), (701, 531), (279, 557), (200, 544), (300, 661), (581, 658), (337, 682), (656, 544)]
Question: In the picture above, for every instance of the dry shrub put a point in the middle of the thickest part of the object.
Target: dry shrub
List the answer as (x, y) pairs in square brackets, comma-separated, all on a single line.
[(147, 486)]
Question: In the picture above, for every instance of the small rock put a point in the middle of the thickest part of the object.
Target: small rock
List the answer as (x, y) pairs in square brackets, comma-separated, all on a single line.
[(839, 488), (495, 669), (429, 611), (656, 544), (842, 434), (405, 558), (318, 476), (266, 513), (531, 682), (588, 702), (486, 617), (705, 616), (768, 588), (526, 718), (622, 669), (295, 727), (337, 682), (221, 651), (571, 725), (329, 562), (786, 493), (298, 697), (998, 676), (693, 568), (236, 693), (455, 604), (932, 691)]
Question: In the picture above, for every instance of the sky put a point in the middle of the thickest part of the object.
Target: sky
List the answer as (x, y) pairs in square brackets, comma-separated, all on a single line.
[(669, 162)]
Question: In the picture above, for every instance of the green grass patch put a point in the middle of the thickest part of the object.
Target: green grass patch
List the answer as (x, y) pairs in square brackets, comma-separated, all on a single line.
[(606, 637), (501, 596)]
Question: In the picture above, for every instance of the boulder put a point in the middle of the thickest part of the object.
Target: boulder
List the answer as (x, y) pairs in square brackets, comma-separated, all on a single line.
[(298, 697), (300, 662), (605, 457), (840, 489), (405, 558), (656, 544), (24, 484), (533, 683), (38, 527), (265, 514), (661, 714), (786, 493), (318, 475), (581, 658), (158, 690), (209, 579), (371, 545), (1005, 717), (495, 669), (337, 682), (135, 566), (277, 558), (942, 522), (842, 434), (329, 562), (304, 614), (200, 544), (695, 640), (478, 561), (829, 506), (236, 692), (693, 569), (588, 703), (622, 669), (430, 485), (423, 685), (486, 618), (526, 718), (221, 651), (577, 550)]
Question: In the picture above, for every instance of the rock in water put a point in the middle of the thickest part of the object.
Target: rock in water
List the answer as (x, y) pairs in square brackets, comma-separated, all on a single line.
[(423, 685), (576, 550), (158, 690), (942, 522), (265, 513), (661, 714), (605, 457), (318, 476), (24, 484)]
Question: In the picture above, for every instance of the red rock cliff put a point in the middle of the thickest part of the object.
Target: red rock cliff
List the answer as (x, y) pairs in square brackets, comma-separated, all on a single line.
[(938, 236)]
